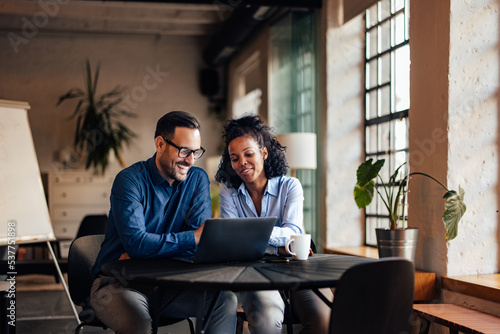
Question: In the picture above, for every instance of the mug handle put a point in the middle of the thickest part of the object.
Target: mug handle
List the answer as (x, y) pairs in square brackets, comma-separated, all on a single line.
[(287, 247)]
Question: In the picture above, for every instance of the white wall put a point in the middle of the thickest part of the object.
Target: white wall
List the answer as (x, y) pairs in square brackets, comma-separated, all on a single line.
[(343, 140), (428, 123), (454, 131), (50, 64), (473, 150)]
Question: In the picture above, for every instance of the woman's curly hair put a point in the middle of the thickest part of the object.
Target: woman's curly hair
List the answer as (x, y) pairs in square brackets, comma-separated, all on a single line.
[(253, 126)]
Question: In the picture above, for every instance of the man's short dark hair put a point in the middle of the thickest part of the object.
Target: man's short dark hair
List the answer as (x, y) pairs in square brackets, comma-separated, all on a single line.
[(167, 123)]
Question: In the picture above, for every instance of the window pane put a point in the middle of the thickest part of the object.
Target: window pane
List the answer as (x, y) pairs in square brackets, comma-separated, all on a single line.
[(399, 29), (371, 224), (385, 101), (371, 105), (402, 78), (371, 74), (398, 4), (385, 68), (385, 171), (400, 134), (371, 139), (407, 19), (385, 36), (371, 16), (371, 43), (385, 9), (384, 136), (399, 159)]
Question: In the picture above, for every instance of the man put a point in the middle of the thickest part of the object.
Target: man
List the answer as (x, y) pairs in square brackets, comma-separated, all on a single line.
[(158, 209)]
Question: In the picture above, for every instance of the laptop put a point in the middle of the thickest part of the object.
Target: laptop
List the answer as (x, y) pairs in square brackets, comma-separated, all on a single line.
[(232, 240)]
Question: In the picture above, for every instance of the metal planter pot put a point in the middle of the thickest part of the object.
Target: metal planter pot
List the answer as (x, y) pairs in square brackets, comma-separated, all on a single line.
[(397, 243)]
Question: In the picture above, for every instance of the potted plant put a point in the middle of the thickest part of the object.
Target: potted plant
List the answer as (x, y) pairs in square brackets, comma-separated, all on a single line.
[(99, 130), (392, 194)]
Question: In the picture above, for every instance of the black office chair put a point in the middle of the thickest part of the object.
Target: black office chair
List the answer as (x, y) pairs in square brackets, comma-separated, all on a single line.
[(92, 224), (82, 255), (375, 298)]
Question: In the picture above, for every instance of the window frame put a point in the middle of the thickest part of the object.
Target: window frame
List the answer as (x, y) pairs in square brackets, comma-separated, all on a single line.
[(388, 43)]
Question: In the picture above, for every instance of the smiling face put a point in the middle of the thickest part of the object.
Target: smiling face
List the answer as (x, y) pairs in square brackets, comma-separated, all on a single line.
[(171, 167), (247, 160)]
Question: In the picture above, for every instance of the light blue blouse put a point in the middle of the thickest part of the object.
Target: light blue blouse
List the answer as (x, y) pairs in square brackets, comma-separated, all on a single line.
[(283, 198)]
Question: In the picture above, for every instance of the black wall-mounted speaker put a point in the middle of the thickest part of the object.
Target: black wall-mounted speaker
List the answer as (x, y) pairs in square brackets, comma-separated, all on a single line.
[(209, 82)]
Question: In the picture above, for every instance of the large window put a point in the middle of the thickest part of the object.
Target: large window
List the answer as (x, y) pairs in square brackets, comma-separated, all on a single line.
[(292, 93), (387, 96)]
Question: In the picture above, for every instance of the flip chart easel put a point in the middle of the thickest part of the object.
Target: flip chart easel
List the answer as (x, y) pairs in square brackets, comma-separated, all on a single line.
[(24, 215)]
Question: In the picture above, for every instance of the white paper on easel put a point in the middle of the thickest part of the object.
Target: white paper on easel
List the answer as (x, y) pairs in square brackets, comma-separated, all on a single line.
[(22, 198)]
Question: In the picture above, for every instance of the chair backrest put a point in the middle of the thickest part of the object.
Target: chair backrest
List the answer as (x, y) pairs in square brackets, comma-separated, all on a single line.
[(82, 255), (92, 224), (375, 298)]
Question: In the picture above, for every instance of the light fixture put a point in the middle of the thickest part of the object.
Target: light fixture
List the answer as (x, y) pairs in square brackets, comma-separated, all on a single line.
[(300, 150)]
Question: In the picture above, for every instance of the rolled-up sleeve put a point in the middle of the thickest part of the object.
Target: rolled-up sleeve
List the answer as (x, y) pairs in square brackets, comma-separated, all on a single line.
[(227, 204), (291, 199)]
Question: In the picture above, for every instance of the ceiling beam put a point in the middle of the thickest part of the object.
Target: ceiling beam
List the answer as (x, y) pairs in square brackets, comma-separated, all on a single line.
[(91, 16), (236, 3)]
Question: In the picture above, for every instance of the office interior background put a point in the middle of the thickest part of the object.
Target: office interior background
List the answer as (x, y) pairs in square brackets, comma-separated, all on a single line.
[(302, 68)]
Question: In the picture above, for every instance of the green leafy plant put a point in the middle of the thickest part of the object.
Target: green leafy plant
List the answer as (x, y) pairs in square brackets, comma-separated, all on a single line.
[(99, 130), (393, 190)]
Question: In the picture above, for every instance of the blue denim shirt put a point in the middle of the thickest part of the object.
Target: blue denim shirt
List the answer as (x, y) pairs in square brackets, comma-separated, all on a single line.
[(283, 198), (150, 218)]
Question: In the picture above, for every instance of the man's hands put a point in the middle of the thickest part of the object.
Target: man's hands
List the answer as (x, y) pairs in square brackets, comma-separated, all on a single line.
[(198, 232)]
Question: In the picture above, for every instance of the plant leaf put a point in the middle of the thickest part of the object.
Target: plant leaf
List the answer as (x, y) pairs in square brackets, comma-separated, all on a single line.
[(98, 127), (364, 195), (454, 211), (367, 171)]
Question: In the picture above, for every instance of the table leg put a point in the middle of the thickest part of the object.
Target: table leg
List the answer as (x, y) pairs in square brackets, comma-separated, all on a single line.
[(157, 304), (425, 325), (204, 316), (322, 297), (285, 295)]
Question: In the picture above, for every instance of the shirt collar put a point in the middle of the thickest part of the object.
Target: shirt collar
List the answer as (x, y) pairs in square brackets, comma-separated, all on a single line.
[(154, 172), (272, 187)]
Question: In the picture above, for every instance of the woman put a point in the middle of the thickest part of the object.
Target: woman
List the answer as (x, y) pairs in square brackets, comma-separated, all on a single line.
[(252, 172)]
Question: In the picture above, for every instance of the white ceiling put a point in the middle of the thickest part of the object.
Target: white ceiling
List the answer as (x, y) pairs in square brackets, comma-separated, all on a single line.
[(113, 17)]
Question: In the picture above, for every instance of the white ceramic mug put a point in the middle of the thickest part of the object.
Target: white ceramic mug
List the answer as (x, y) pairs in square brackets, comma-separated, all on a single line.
[(298, 246)]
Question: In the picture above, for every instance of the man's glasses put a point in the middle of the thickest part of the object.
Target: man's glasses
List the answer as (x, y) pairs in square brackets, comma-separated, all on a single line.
[(185, 152)]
